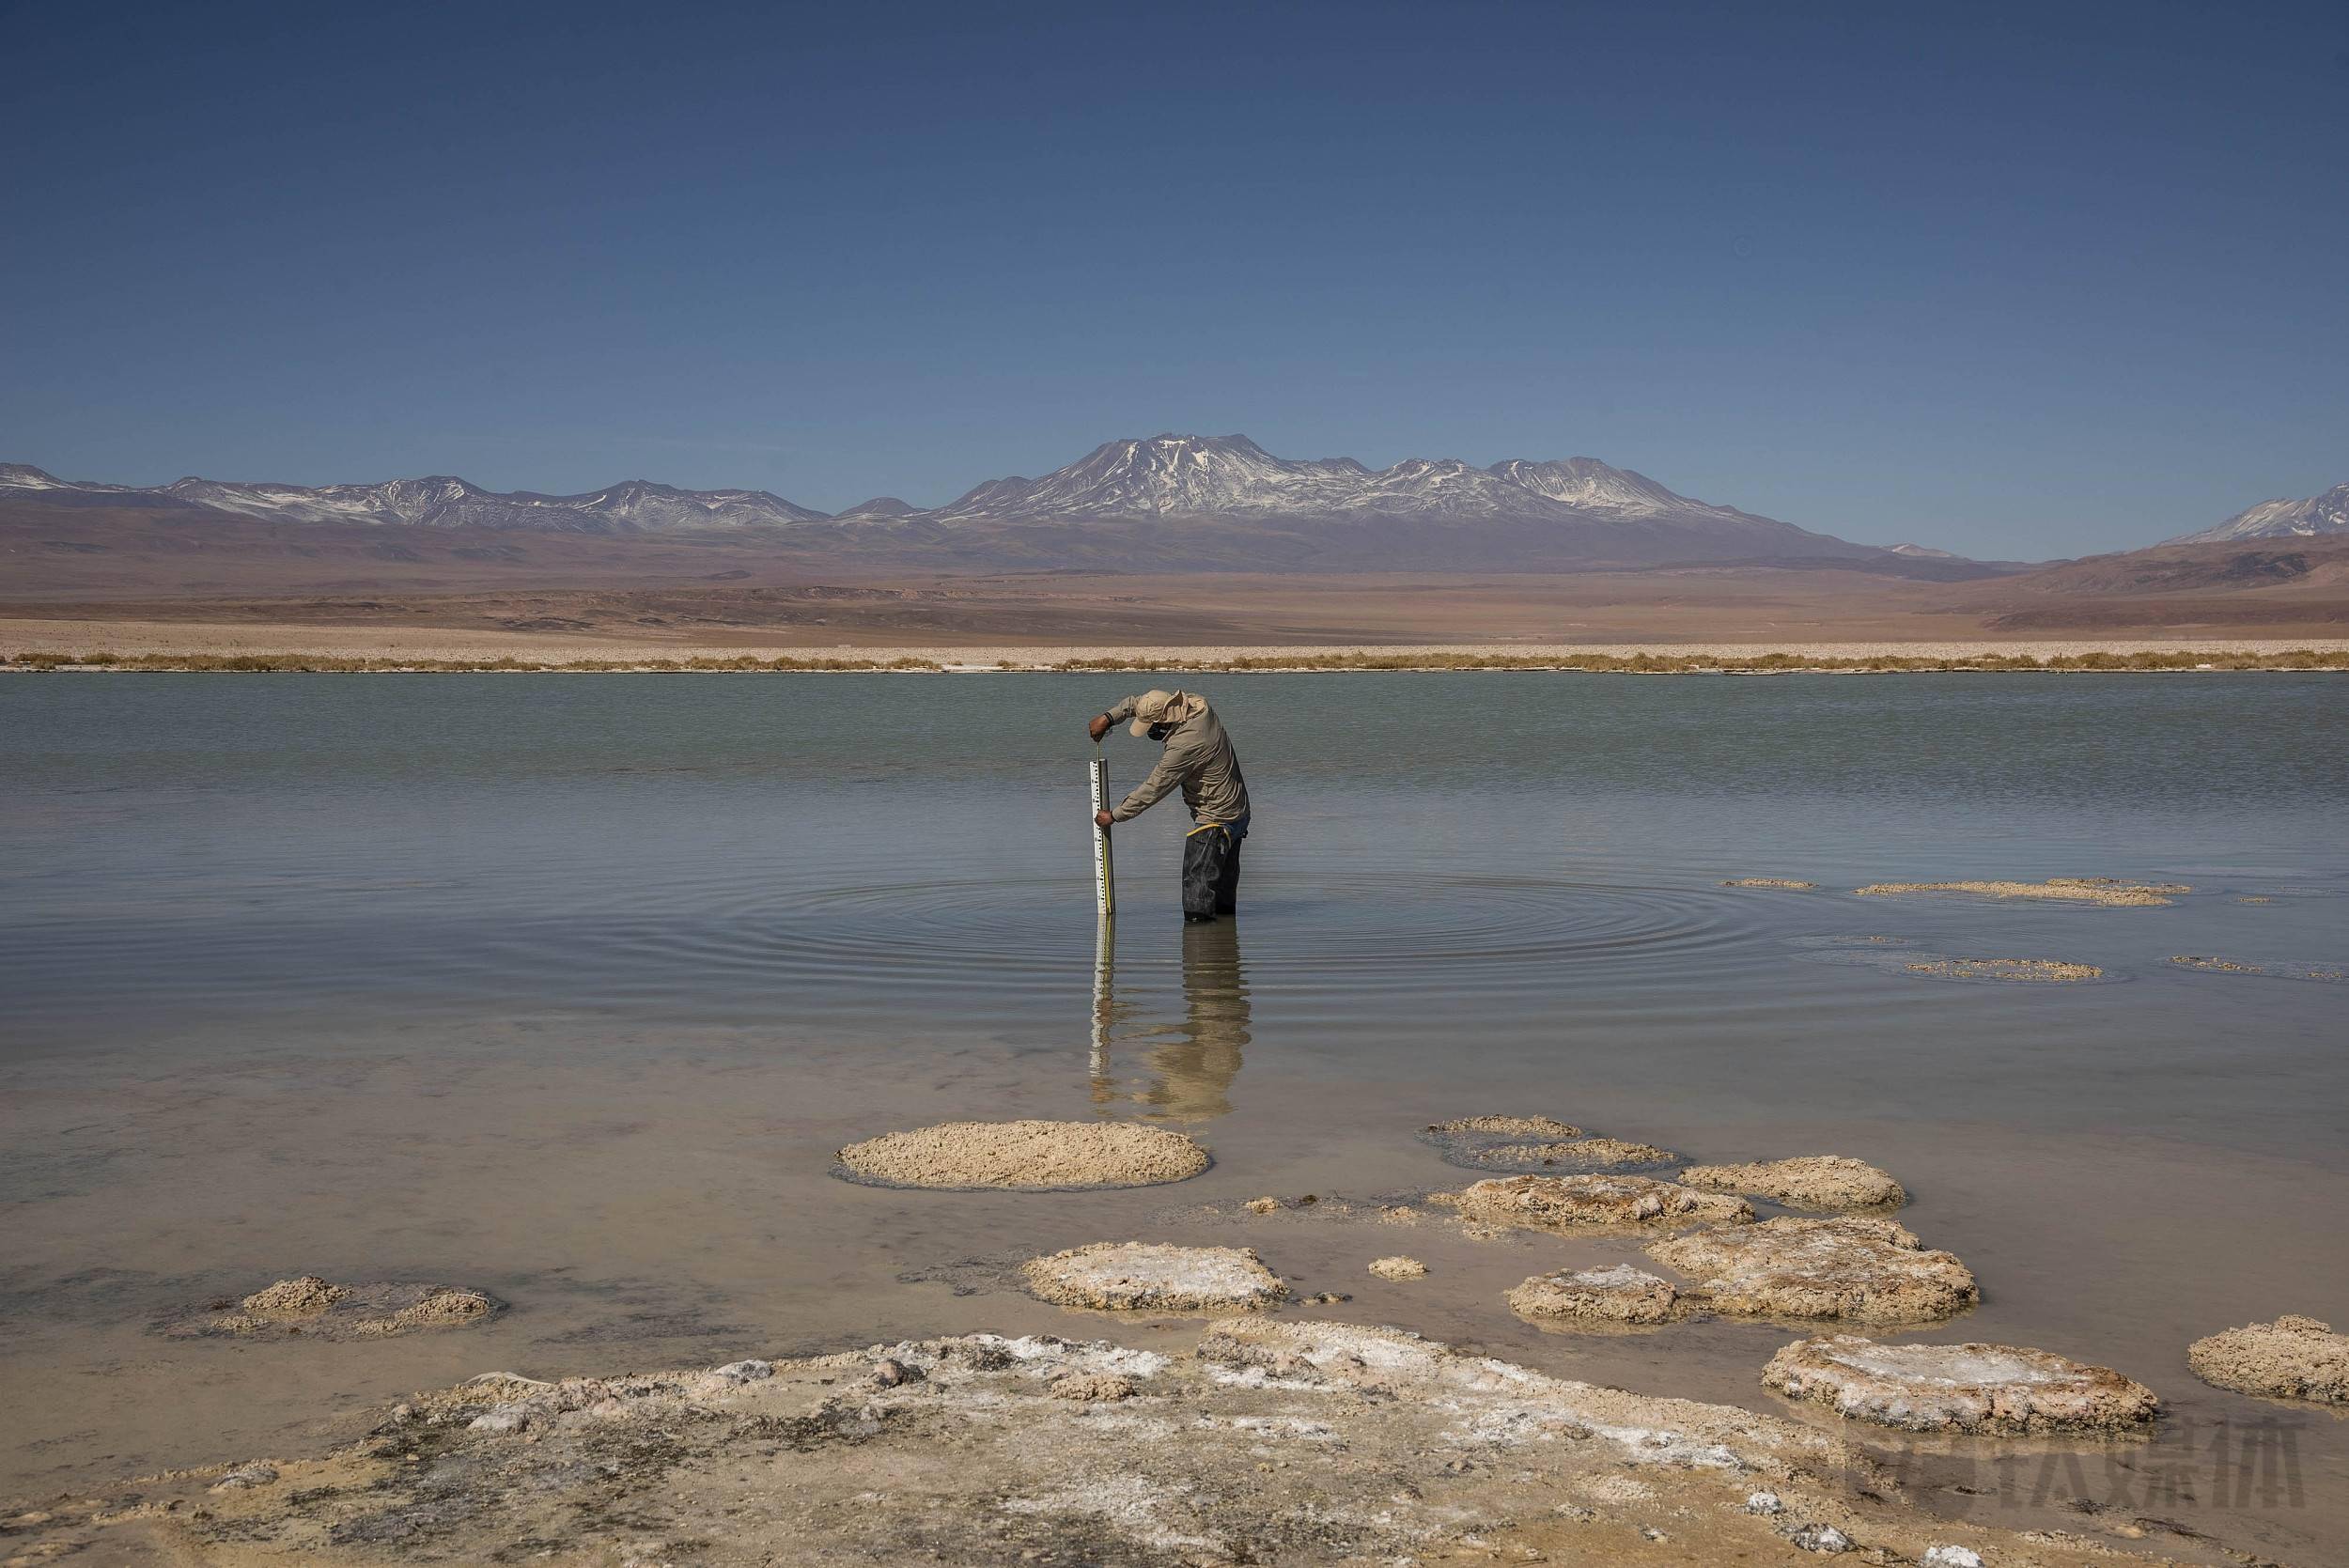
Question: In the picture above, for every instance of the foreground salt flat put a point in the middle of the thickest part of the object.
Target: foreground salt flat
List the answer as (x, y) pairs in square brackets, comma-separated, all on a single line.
[(1273, 1442)]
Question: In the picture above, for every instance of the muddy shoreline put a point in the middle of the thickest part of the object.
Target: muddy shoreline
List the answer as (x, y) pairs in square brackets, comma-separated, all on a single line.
[(126, 644)]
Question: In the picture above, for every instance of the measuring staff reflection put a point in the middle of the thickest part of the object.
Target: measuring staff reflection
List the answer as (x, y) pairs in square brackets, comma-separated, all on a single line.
[(1186, 1067)]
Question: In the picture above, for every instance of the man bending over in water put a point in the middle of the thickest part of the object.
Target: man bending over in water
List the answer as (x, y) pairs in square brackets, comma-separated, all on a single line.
[(1199, 759)]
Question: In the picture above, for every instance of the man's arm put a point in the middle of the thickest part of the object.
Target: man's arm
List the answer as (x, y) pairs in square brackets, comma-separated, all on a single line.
[(1166, 776), (1098, 725)]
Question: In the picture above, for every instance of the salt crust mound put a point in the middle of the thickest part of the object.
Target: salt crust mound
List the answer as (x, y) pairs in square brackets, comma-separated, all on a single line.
[(1398, 1267), (312, 1308), (306, 1297), (1244, 1450), (1615, 1294), (2068, 890), (1580, 1151), (2293, 1357), (1786, 883), (1865, 1270), (1571, 1203), (1510, 1127), (2002, 1389), (1803, 1182), (2041, 972), (1139, 1276), (1033, 1156), (2282, 970)]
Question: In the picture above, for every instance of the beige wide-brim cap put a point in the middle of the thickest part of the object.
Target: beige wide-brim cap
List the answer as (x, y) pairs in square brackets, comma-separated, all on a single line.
[(1149, 708), (1164, 708)]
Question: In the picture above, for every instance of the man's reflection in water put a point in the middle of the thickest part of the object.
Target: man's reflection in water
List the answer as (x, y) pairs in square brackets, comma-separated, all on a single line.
[(1187, 1067)]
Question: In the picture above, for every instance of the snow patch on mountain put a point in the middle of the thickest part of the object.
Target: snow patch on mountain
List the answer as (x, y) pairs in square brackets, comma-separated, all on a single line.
[(442, 500), (2316, 516), (24, 477)]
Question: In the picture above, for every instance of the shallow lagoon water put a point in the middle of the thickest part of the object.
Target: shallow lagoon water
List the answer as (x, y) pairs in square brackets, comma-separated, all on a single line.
[(568, 987)]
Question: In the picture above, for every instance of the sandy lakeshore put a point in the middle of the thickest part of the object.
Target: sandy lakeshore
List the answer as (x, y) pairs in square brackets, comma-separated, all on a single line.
[(20, 637)]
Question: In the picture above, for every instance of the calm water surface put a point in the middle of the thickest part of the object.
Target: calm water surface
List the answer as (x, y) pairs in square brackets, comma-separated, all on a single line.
[(566, 986)]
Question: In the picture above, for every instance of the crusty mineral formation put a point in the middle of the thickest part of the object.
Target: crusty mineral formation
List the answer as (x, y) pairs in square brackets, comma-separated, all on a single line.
[(308, 1307), (2293, 1357), (2018, 971), (306, 1297), (1586, 1153), (1862, 1270), (2002, 1389), (1575, 1202), (2279, 969), (1027, 1156), (1618, 1293), (2064, 889), (1273, 1442), (1140, 1275), (1509, 1127), (1803, 1182)]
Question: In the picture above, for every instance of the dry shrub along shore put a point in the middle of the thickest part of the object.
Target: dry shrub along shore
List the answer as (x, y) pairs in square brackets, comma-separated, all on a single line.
[(1402, 661)]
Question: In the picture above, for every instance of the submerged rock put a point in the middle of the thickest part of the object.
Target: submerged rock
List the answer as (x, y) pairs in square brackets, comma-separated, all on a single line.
[(1272, 1443), (1139, 1276), (2068, 890), (310, 1307), (1865, 1270), (1803, 1182), (2293, 1357), (1027, 1156), (441, 1307), (306, 1297), (1618, 1293), (2029, 971), (1534, 1144), (1586, 1152), (2274, 968), (1998, 1389), (1510, 1127), (1574, 1202)]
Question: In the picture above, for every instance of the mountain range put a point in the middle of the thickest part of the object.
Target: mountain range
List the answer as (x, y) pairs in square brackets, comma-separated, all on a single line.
[(1164, 501)]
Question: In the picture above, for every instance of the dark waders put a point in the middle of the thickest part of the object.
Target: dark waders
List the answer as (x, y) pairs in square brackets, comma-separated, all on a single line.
[(1211, 869)]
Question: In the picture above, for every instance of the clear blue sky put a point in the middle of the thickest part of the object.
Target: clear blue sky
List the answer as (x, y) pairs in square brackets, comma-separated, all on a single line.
[(2018, 280)]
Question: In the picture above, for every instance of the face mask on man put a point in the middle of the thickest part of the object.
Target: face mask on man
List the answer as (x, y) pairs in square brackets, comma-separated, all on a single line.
[(1159, 732)]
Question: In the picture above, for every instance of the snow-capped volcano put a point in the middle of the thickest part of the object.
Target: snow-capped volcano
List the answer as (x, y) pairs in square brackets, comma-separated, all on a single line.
[(1577, 506), (2281, 519), (1164, 476)]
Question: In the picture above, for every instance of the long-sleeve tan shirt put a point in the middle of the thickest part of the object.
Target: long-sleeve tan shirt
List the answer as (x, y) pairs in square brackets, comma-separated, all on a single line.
[(1199, 759)]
